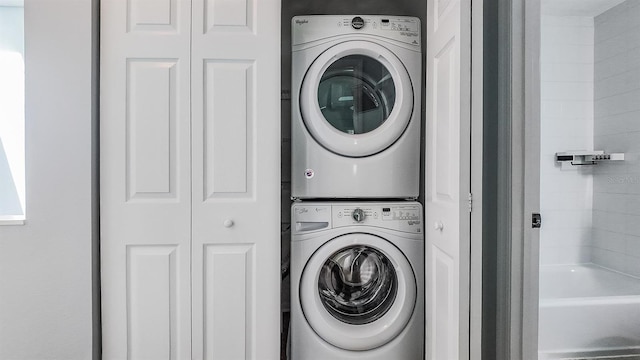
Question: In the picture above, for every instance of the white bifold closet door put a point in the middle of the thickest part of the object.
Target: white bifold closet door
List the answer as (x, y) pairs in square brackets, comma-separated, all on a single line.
[(448, 178), (236, 179), (190, 156)]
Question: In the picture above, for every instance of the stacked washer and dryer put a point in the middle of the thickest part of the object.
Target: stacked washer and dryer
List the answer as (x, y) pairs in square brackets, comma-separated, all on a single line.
[(357, 251)]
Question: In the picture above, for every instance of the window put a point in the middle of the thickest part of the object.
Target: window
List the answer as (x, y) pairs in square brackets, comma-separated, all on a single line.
[(12, 124)]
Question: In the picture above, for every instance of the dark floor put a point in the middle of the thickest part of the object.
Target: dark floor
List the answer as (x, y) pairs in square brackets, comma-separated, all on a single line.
[(284, 334)]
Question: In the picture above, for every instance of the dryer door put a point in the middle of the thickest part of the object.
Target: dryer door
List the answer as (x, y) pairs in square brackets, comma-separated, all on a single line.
[(356, 99), (358, 291)]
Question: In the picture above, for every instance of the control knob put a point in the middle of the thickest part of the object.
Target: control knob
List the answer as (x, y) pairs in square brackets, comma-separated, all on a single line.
[(357, 23), (358, 215)]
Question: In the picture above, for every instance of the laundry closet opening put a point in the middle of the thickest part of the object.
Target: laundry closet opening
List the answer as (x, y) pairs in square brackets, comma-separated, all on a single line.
[(291, 8)]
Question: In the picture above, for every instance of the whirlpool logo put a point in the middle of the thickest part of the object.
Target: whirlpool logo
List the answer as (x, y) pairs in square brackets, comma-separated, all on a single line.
[(301, 22)]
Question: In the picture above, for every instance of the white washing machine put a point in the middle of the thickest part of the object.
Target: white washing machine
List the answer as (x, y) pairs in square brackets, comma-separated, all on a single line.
[(356, 107), (357, 284)]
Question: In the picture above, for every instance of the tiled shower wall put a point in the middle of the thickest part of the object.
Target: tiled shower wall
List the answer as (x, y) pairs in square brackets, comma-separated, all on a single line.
[(616, 185), (567, 72)]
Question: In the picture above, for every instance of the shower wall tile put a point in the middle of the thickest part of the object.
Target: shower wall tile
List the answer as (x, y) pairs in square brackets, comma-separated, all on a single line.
[(565, 237), (632, 266), (565, 90), (605, 202), (634, 35), (632, 246), (567, 72), (611, 222), (619, 141), (571, 219), (612, 104), (616, 185), (632, 204), (617, 123), (569, 201), (633, 57), (569, 127), (607, 240), (577, 54), (608, 259), (566, 109), (611, 14), (610, 67), (567, 113), (618, 84), (565, 21), (611, 47), (632, 226)]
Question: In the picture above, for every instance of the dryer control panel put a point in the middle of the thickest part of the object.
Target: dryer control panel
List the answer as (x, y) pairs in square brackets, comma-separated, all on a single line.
[(309, 28)]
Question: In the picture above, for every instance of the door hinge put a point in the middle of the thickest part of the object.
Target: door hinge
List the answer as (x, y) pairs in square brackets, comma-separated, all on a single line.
[(470, 202)]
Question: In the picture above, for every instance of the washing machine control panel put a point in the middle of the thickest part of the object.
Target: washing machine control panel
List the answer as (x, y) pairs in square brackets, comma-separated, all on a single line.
[(312, 217), (397, 216)]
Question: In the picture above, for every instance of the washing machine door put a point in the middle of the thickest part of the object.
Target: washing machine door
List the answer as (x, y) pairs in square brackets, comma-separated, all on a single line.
[(358, 291), (356, 99)]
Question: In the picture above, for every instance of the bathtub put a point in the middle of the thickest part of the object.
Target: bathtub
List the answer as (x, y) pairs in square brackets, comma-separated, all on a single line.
[(587, 311)]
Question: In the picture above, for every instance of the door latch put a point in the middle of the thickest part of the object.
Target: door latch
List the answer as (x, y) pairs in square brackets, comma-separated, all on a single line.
[(536, 221)]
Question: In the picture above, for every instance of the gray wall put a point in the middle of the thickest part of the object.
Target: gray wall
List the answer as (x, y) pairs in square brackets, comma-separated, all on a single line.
[(47, 303), (616, 185)]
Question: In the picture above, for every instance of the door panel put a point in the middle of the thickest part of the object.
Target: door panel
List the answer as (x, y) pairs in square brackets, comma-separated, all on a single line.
[(151, 129), (228, 128), (448, 182), (223, 14), (444, 309), (229, 299), (146, 12), (236, 179), (145, 180), (159, 15), (150, 299)]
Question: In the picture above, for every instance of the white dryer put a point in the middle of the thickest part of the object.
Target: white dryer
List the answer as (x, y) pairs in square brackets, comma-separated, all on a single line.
[(357, 284), (356, 107)]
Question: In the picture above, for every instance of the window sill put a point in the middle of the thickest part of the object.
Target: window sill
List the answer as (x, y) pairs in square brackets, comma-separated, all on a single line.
[(11, 220)]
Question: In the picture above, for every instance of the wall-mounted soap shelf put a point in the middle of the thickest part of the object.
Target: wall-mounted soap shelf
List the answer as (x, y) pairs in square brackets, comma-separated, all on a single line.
[(587, 157)]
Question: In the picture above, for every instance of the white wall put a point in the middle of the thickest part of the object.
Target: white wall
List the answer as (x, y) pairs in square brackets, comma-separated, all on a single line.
[(566, 124), (46, 265), (616, 202)]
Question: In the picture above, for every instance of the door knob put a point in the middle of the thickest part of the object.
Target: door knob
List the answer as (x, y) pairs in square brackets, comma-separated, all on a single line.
[(228, 223), (438, 225)]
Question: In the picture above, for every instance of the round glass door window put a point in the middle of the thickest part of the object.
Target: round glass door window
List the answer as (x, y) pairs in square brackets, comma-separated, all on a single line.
[(357, 284), (356, 94)]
